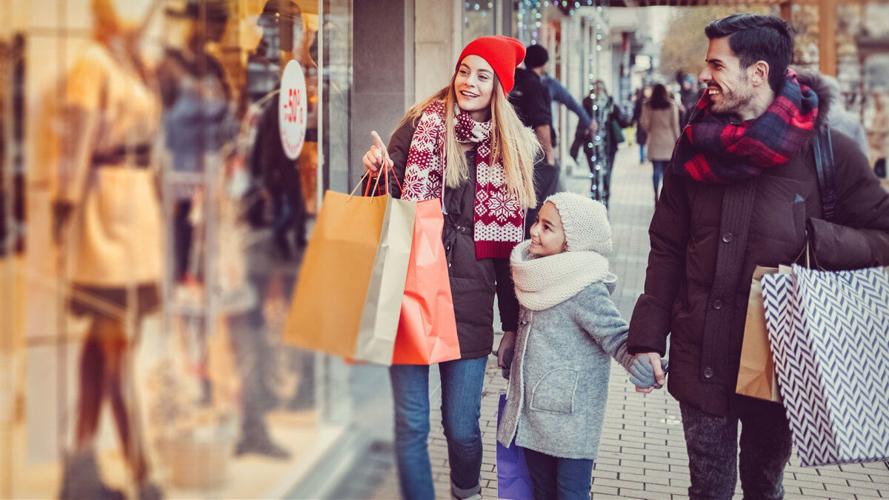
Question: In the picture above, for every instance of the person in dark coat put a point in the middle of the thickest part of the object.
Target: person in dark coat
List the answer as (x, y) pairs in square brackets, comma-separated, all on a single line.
[(464, 144), (742, 195), (600, 147), (532, 101)]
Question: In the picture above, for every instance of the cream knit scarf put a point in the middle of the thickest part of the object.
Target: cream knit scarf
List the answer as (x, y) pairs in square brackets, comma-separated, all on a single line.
[(543, 282)]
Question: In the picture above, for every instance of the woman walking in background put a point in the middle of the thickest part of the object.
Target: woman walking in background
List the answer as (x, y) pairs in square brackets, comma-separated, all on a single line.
[(464, 144), (660, 120), (641, 135)]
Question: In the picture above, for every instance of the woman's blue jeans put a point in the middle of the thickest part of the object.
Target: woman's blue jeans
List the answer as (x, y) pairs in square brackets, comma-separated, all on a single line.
[(657, 173), (461, 394)]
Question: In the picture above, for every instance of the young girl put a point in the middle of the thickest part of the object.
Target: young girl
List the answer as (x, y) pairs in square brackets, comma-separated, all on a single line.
[(466, 145), (569, 326)]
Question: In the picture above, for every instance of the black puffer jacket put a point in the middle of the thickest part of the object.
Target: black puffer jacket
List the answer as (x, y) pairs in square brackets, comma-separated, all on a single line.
[(473, 282), (706, 240)]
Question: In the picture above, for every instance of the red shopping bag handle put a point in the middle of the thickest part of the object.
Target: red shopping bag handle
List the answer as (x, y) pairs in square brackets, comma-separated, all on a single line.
[(378, 142)]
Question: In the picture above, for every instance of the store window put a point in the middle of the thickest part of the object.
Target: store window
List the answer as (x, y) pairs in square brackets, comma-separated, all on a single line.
[(479, 19), (162, 166)]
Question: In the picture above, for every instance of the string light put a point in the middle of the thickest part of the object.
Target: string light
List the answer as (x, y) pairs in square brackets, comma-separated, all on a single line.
[(597, 154), (481, 8), (530, 19)]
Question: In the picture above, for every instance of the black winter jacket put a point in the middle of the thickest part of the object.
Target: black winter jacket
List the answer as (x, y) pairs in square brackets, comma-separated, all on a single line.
[(474, 283), (706, 241)]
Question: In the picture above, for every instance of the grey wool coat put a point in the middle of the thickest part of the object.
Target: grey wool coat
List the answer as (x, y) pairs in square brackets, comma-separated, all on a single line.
[(558, 385)]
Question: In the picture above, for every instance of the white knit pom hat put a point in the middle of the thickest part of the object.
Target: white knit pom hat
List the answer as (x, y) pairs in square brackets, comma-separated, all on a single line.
[(585, 222)]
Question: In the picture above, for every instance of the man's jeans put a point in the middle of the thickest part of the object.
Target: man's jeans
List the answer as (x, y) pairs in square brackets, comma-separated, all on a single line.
[(559, 478), (461, 396), (712, 443)]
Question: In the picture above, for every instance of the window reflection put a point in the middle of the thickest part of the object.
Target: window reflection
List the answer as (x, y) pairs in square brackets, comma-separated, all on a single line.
[(159, 176)]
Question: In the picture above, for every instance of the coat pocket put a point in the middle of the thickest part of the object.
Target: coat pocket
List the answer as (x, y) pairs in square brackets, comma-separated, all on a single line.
[(554, 392)]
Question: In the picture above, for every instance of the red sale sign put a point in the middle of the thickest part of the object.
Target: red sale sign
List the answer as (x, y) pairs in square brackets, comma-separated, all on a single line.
[(292, 110)]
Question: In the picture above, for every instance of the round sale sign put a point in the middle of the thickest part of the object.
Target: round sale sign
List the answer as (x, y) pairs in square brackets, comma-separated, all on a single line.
[(292, 109)]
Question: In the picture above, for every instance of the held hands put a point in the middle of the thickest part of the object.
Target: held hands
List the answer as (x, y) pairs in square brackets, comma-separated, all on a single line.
[(376, 157), (647, 372)]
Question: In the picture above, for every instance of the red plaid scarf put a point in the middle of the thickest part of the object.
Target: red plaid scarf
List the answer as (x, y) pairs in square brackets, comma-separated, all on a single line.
[(712, 150), (499, 220)]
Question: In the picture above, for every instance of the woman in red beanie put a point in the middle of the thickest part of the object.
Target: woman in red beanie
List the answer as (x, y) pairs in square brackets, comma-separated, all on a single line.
[(464, 144)]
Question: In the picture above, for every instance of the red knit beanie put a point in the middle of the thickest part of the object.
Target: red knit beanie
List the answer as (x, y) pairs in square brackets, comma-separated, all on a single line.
[(503, 53)]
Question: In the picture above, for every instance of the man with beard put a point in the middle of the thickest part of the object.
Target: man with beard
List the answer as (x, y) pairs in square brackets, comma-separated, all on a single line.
[(740, 192)]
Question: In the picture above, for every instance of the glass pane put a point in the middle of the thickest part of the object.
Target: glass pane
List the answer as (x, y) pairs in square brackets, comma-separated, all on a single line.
[(166, 224), (479, 19)]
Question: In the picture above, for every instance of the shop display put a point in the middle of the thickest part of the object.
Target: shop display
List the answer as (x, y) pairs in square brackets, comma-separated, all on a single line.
[(148, 284), (107, 208)]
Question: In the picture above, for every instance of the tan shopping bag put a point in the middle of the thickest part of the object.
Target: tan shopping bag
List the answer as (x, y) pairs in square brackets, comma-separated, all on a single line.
[(382, 307), (756, 373), (348, 297)]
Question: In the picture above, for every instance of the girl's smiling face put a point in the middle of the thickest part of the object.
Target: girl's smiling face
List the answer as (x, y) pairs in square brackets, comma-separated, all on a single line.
[(547, 234)]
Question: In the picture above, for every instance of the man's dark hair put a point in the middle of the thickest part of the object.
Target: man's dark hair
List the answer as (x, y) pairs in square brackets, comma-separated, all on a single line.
[(535, 56), (754, 38)]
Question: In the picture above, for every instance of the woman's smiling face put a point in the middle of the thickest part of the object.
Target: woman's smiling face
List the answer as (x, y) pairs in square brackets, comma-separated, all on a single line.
[(474, 84)]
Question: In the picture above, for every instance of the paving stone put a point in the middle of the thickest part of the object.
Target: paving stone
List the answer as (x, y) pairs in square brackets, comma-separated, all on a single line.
[(599, 489)]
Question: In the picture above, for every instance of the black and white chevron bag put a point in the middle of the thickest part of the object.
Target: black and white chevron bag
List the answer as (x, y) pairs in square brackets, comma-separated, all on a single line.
[(829, 335)]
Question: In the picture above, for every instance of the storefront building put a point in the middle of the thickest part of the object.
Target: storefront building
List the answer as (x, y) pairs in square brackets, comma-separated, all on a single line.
[(162, 165)]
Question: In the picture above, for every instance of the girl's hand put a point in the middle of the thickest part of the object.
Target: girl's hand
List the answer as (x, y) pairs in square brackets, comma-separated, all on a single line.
[(647, 372), (376, 157)]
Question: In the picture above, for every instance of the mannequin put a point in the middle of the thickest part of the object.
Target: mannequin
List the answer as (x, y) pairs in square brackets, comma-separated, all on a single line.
[(108, 226), (197, 116), (283, 33), (198, 123)]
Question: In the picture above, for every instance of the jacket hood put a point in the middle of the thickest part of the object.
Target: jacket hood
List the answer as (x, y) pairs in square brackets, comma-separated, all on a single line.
[(822, 89)]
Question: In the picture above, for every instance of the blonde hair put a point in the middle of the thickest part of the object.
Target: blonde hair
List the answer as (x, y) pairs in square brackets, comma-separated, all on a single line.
[(511, 141)]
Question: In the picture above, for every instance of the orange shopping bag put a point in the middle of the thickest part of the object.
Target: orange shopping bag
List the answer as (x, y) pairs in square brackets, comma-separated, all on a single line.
[(427, 330)]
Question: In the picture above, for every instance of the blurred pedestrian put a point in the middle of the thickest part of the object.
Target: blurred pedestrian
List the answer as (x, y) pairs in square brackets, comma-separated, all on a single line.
[(559, 94), (558, 383), (600, 146), (466, 145), (641, 135), (741, 191), (660, 120), (840, 118), (532, 102), (688, 95)]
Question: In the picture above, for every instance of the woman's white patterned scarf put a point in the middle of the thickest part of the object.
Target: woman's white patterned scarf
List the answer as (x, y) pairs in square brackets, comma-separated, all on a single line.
[(499, 218)]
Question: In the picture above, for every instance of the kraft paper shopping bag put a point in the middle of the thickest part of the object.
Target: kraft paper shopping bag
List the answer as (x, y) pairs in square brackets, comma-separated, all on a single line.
[(756, 373)]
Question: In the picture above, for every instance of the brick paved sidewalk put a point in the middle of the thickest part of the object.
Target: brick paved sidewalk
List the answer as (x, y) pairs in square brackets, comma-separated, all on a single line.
[(642, 452)]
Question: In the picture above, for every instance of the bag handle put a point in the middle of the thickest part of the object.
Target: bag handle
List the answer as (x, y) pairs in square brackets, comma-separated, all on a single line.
[(367, 187), (826, 172)]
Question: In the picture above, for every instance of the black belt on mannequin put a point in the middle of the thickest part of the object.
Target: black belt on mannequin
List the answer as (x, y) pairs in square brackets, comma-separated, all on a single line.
[(137, 156)]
